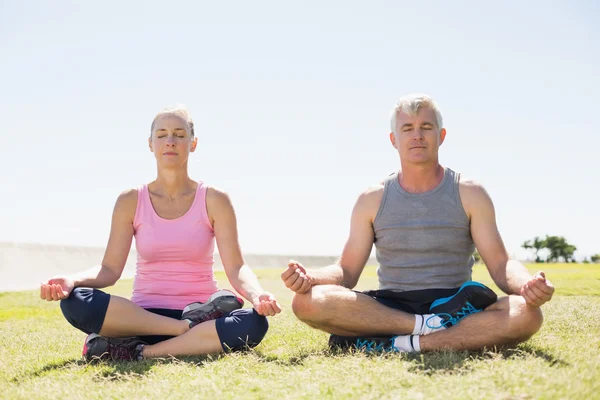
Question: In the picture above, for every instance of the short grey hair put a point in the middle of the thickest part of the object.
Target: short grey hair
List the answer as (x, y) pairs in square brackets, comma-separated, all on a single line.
[(179, 110), (411, 104)]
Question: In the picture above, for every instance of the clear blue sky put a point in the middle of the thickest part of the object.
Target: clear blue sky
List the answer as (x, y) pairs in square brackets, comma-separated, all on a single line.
[(291, 104)]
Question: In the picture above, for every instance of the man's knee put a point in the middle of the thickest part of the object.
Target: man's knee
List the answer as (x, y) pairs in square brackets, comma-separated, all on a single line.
[(525, 320), (307, 306)]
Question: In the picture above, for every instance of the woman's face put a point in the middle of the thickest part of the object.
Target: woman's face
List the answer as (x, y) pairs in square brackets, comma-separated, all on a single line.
[(171, 140)]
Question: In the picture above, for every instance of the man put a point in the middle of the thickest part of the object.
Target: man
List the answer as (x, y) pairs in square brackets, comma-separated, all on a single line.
[(425, 222)]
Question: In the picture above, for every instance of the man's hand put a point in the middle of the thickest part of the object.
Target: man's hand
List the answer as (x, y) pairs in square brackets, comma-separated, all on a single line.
[(266, 304), (537, 290), (56, 288), (296, 278)]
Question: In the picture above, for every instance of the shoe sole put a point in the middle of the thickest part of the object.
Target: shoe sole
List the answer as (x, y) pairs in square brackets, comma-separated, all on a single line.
[(219, 306)]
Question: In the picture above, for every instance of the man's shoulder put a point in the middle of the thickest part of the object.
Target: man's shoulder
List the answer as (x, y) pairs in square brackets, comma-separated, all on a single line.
[(473, 195), (470, 186), (373, 192), (370, 199)]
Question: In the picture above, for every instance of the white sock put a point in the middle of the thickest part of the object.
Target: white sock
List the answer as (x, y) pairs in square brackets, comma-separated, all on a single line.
[(416, 343), (407, 343), (427, 323)]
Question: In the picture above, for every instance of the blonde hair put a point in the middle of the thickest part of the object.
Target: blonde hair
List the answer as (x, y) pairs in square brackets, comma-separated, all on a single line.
[(411, 104), (179, 110)]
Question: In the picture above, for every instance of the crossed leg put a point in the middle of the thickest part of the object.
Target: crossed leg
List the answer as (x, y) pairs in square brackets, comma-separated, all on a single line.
[(85, 307), (338, 310)]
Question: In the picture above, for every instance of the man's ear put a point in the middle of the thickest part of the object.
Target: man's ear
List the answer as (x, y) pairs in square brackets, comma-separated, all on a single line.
[(393, 140), (442, 135)]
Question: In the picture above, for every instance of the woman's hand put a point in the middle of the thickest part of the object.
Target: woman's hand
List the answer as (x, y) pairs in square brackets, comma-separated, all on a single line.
[(266, 304), (56, 288)]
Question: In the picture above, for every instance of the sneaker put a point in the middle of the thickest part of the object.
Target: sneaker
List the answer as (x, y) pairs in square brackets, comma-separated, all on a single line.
[(368, 344), (472, 297), (97, 347), (220, 303)]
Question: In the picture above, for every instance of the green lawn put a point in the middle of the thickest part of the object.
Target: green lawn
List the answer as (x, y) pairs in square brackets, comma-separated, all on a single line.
[(40, 357)]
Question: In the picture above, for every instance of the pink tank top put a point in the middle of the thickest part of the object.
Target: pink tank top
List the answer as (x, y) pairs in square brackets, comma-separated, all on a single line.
[(174, 256)]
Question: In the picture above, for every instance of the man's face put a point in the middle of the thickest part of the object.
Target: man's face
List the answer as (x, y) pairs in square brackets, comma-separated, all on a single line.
[(418, 138)]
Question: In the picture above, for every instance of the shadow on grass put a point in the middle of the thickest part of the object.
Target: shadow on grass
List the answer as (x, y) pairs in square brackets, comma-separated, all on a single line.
[(527, 350), (46, 369), (295, 360), (460, 362), (453, 362), (115, 370), (118, 370)]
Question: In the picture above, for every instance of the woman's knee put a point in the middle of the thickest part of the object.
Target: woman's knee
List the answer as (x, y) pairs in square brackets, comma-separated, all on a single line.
[(85, 309), (242, 329)]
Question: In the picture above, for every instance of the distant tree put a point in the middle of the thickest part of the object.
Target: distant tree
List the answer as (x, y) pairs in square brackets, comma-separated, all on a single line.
[(595, 258), (536, 245), (557, 246), (559, 249)]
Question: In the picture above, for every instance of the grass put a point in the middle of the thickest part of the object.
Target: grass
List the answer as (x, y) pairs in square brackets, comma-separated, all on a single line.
[(40, 357)]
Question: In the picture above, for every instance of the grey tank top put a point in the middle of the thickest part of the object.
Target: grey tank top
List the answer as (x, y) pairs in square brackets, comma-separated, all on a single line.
[(423, 240)]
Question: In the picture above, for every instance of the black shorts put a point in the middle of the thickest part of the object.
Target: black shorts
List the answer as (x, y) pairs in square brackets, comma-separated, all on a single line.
[(412, 301), (86, 309)]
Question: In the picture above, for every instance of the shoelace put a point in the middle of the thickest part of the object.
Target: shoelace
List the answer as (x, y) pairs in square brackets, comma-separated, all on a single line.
[(371, 345), (450, 320), (122, 352), (207, 317)]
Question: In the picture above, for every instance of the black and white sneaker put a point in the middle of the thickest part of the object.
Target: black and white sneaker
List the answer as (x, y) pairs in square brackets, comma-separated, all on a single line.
[(471, 298), (219, 304), (97, 347)]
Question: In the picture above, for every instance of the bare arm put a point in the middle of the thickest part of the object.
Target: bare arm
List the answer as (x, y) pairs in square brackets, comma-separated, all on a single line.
[(349, 267), (115, 256), (118, 247), (240, 276), (511, 276)]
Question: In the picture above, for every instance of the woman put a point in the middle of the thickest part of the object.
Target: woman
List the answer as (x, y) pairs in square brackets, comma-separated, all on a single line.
[(176, 308)]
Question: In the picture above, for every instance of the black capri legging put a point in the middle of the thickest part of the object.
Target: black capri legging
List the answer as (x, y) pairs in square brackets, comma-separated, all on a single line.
[(85, 309)]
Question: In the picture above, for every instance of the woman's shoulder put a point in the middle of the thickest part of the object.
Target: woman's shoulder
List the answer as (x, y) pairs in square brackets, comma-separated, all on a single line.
[(216, 196), (127, 201)]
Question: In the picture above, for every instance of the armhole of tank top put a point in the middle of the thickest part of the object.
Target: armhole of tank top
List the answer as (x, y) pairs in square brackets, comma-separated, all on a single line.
[(203, 193), (386, 187), (458, 198), (138, 207)]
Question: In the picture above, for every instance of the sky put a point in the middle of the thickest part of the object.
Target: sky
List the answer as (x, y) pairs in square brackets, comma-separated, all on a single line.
[(291, 105)]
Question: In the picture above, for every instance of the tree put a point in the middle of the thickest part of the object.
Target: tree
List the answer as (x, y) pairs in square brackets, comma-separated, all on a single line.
[(559, 248), (537, 244), (595, 258)]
